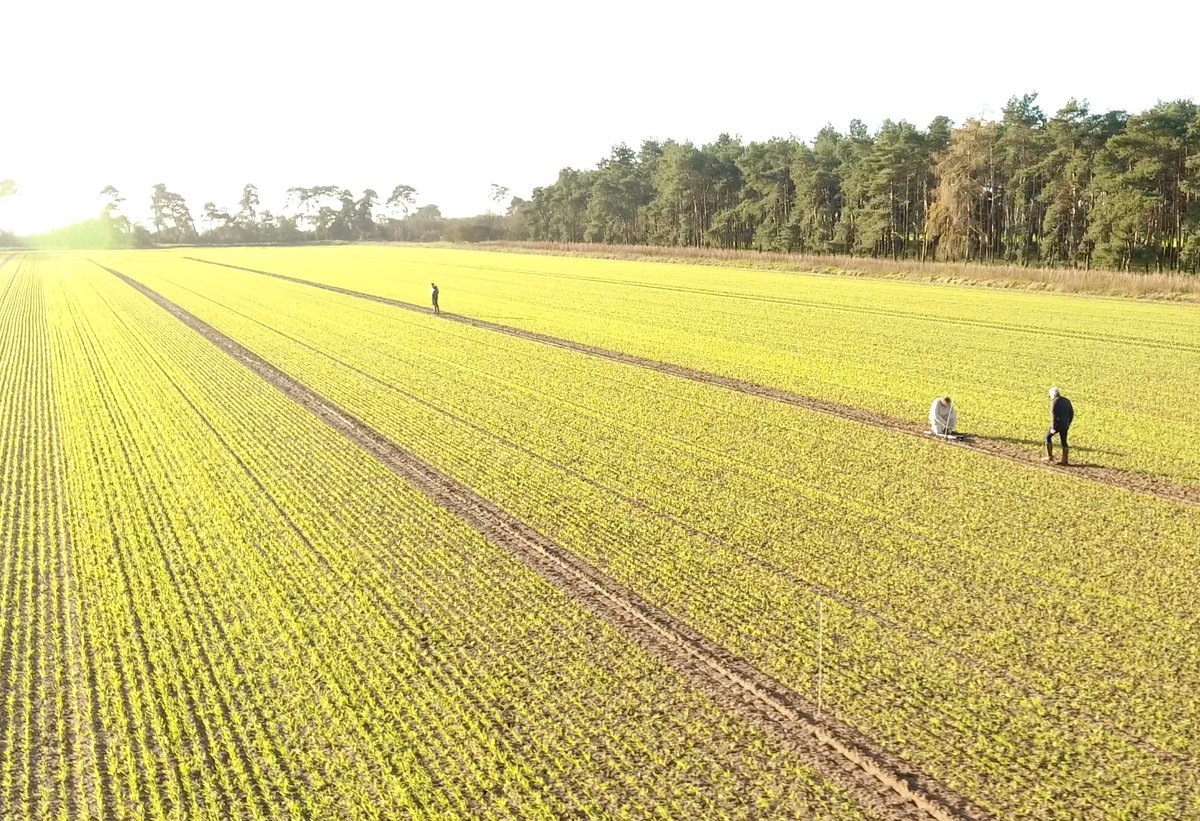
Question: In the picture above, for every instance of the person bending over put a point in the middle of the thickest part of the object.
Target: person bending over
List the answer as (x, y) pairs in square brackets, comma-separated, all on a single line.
[(942, 418)]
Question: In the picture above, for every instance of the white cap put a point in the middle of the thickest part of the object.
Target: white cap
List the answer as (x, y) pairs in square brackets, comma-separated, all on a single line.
[(1054, 393)]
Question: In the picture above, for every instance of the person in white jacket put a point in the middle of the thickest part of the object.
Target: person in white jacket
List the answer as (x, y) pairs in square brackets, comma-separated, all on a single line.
[(942, 417)]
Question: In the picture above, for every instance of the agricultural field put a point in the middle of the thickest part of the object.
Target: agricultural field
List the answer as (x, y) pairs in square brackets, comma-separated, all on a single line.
[(260, 552), (214, 606), (880, 346)]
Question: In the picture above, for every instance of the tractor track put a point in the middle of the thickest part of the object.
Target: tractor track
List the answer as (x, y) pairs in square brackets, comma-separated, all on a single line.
[(1113, 477), (879, 783)]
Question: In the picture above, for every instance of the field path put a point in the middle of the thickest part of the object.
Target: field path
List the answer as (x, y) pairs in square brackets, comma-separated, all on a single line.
[(1126, 480), (879, 783)]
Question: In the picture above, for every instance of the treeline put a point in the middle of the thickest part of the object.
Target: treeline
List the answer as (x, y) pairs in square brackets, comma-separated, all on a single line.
[(322, 213), (1078, 189)]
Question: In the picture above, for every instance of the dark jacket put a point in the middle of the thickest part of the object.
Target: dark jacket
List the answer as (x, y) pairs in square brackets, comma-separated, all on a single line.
[(1061, 413)]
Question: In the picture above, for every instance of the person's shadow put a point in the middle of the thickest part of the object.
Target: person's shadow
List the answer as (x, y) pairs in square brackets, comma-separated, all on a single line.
[(1016, 440), (1013, 440)]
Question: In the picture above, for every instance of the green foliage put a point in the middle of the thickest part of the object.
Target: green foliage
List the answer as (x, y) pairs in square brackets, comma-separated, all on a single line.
[(969, 604), (1069, 190), (214, 606), (172, 218), (1147, 190), (93, 233)]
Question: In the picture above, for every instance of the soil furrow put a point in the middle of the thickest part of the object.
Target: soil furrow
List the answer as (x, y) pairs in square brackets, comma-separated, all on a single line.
[(826, 743), (1126, 480)]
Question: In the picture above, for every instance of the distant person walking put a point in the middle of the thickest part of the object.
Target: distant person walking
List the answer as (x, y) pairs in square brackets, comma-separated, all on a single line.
[(942, 418), (433, 295), (1061, 415)]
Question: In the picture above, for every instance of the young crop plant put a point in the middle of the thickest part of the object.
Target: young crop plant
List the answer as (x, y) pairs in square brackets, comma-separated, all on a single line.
[(909, 587), (870, 345), (255, 619)]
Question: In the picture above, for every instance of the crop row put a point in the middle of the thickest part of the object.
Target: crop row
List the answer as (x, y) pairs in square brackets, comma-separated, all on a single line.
[(978, 616), (887, 347), (35, 642), (265, 622)]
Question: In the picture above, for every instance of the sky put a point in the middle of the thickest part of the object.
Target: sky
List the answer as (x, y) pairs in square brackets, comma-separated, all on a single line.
[(452, 97)]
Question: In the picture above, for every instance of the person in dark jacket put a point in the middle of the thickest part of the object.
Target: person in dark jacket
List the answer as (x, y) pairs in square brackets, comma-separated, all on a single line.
[(433, 295), (1061, 414)]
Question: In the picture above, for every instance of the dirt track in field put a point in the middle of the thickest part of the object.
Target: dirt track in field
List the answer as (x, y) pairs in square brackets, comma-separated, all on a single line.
[(1031, 457), (880, 784)]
